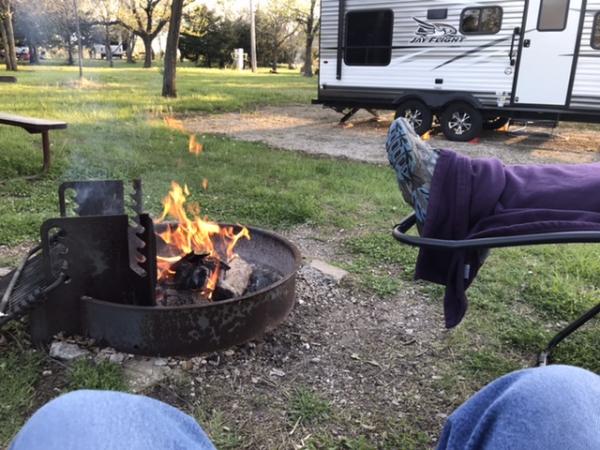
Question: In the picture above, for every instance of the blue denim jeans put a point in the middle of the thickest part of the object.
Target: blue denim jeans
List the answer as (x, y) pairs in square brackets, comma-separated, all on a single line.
[(555, 407), (89, 420)]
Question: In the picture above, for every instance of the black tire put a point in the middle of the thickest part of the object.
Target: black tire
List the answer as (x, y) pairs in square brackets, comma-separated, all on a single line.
[(495, 123), (461, 122), (417, 113)]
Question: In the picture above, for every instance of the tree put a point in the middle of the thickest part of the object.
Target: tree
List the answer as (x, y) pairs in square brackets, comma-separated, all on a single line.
[(146, 19), (169, 87), (130, 39), (107, 18), (64, 24), (53, 23), (31, 27), (207, 38), (8, 35), (275, 26), (310, 24), (198, 25), (79, 43)]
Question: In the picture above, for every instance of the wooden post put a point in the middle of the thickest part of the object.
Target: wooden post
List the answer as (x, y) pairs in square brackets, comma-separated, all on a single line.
[(46, 150)]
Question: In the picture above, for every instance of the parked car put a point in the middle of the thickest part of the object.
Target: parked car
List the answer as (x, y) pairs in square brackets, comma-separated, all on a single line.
[(22, 53)]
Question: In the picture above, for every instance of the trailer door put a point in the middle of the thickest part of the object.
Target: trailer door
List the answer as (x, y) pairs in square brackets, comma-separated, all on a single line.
[(547, 51)]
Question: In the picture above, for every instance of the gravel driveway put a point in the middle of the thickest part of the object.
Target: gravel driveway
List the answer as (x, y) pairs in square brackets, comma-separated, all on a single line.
[(313, 129)]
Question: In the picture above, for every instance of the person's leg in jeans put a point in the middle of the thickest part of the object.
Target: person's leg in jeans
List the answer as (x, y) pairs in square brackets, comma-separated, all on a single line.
[(109, 420), (554, 407)]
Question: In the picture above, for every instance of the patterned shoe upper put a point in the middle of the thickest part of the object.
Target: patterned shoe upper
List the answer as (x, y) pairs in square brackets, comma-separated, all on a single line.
[(414, 162)]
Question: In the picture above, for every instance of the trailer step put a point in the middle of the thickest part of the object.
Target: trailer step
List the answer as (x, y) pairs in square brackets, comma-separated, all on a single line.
[(534, 123)]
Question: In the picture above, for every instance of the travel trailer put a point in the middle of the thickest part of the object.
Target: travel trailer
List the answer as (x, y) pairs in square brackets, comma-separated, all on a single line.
[(472, 65)]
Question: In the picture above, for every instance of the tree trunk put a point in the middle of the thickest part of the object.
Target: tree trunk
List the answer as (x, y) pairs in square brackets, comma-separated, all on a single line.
[(33, 54), (169, 87), (5, 45), (107, 47), (130, 47), (275, 55), (148, 51), (70, 61), (79, 43), (10, 50), (308, 60)]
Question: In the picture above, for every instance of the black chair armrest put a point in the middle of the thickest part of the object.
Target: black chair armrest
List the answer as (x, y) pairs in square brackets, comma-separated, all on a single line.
[(564, 237)]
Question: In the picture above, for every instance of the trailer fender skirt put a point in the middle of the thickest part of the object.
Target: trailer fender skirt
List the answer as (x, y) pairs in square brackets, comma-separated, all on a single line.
[(438, 100)]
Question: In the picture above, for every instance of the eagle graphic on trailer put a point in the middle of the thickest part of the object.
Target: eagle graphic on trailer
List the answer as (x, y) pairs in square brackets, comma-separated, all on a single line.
[(473, 65), (435, 32)]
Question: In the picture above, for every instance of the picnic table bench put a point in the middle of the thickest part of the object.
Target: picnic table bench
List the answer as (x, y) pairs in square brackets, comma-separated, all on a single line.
[(35, 126)]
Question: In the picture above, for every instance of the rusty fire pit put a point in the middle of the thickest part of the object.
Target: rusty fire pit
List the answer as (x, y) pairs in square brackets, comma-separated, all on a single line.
[(95, 274), (191, 329)]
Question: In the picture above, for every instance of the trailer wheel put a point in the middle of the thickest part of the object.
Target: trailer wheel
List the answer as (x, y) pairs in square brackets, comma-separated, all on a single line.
[(417, 114), (461, 122), (495, 123)]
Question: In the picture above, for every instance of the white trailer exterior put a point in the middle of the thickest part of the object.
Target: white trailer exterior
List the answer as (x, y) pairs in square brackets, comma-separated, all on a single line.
[(470, 63)]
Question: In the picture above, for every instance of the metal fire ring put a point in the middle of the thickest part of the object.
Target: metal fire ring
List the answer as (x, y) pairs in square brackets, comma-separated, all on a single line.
[(194, 329)]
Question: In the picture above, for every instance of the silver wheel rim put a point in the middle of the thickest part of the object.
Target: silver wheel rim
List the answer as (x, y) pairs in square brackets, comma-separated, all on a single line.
[(414, 117), (460, 123)]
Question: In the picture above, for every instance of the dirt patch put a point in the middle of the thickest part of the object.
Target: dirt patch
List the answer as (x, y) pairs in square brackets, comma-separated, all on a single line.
[(313, 129), (375, 361)]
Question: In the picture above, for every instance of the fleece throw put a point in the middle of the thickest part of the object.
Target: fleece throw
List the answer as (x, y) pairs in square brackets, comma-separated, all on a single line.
[(474, 198)]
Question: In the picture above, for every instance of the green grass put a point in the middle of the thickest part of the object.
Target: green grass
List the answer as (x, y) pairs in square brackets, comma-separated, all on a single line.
[(85, 374), (379, 262), (222, 435), (19, 371), (116, 130), (306, 406)]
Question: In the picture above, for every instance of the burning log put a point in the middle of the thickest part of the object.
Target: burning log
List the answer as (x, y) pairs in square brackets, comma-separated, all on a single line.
[(234, 280), (193, 271), (191, 277)]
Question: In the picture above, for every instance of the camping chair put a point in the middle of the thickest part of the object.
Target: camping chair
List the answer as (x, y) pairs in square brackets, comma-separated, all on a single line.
[(400, 234)]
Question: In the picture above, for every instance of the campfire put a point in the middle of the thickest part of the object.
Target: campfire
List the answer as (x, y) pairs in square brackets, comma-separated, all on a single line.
[(180, 285), (197, 262)]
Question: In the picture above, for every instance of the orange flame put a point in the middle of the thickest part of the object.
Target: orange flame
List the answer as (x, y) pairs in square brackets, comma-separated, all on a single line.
[(194, 146), (194, 235), (426, 136)]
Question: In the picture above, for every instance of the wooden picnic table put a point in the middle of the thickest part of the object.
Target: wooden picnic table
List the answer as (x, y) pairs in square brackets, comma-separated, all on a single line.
[(35, 126)]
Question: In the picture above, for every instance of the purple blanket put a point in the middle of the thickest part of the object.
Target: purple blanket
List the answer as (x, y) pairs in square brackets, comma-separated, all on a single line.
[(472, 198)]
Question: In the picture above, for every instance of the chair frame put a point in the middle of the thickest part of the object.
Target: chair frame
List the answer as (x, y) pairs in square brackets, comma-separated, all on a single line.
[(568, 237)]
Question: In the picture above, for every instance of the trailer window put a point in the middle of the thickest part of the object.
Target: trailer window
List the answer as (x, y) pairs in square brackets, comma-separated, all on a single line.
[(369, 38), (596, 32), (553, 15), (486, 20)]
